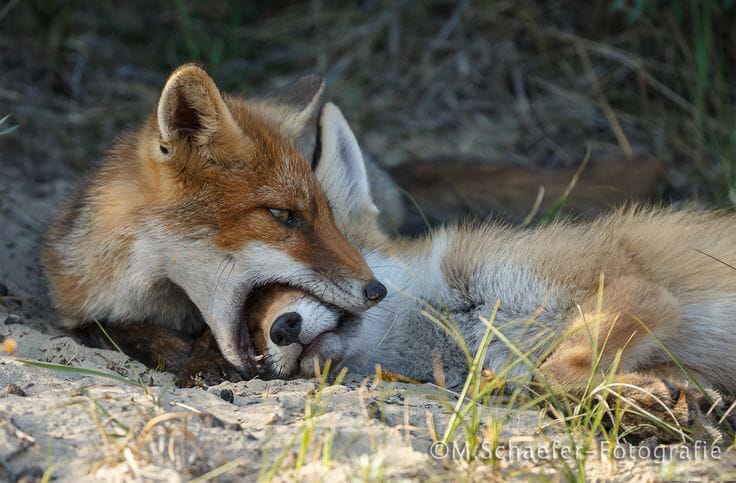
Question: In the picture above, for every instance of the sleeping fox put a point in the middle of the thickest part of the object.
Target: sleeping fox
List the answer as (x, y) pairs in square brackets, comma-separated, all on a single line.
[(209, 200), (645, 284)]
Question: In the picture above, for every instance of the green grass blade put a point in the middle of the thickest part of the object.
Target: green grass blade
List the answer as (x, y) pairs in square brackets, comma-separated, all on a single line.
[(79, 370)]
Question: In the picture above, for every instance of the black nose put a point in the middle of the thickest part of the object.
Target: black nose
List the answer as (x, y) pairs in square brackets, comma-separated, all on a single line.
[(285, 329), (375, 291)]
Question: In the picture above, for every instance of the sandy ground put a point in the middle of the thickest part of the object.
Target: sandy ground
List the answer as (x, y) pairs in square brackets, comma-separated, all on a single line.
[(77, 426)]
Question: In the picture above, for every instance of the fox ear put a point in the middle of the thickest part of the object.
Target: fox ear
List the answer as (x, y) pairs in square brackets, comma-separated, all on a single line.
[(191, 106), (340, 168), (294, 107)]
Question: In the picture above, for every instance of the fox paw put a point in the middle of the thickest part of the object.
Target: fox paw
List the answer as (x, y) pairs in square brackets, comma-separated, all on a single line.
[(670, 412), (325, 352), (206, 371), (206, 366)]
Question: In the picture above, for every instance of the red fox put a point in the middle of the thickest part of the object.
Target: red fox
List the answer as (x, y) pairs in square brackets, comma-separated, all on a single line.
[(665, 293), (187, 216)]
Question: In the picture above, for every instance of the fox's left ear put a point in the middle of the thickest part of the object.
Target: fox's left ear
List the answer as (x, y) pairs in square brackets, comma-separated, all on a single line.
[(340, 168), (191, 107), (294, 108)]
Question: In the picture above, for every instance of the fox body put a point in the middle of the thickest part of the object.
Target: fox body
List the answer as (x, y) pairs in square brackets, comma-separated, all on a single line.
[(632, 282), (209, 200)]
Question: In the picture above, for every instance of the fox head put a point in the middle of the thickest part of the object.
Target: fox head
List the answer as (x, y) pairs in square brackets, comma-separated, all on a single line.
[(235, 206), (290, 327)]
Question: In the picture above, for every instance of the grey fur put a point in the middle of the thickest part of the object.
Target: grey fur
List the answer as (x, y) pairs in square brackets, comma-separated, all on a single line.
[(457, 275)]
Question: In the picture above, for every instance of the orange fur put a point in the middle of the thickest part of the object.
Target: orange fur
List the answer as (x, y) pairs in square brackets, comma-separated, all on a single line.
[(199, 181)]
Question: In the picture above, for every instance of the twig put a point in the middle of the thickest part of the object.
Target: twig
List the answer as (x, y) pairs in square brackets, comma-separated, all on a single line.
[(628, 60), (439, 40), (535, 208), (610, 115)]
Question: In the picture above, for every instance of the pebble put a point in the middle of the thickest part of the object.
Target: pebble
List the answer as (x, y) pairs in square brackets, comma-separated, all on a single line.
[(11, 319), (227, 395)]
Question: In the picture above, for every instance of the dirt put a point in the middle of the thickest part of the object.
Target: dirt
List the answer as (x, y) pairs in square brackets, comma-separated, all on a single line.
[(57, 419)]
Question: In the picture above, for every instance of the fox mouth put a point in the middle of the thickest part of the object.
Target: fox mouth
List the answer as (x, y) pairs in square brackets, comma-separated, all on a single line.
[(250, 358)]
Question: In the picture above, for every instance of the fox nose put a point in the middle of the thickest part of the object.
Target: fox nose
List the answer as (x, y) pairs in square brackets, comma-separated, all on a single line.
[(285, 329), (375, 291)]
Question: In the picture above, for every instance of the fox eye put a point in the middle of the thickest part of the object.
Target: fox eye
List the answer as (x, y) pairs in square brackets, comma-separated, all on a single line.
[(284, 216)]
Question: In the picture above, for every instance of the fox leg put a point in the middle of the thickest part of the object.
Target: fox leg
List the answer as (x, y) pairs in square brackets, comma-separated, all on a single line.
[(632, 313), (195, 360), (151, 345)]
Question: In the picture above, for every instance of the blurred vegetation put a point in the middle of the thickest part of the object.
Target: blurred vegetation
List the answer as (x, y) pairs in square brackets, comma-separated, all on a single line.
[(706, 31), (4, 128), (523, 82)]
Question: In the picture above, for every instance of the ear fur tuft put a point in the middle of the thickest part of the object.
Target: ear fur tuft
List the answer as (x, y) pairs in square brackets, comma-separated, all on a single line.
[(190, 106), (294, 108), (341, 169)]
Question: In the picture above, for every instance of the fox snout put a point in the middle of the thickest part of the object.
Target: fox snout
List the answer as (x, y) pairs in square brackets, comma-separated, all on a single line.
[(284, 322), (357, 296), (331, 256)]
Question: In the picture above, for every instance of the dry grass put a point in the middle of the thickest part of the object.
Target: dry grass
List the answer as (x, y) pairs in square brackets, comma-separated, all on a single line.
[(527, 82)]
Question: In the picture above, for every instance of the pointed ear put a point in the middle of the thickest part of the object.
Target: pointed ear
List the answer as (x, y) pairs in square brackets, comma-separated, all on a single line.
[(294, 108), (191, 107), (340, 168)]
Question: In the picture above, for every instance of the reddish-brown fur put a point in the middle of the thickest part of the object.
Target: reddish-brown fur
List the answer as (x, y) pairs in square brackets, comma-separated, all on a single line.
[(225, 190), (204, 167)]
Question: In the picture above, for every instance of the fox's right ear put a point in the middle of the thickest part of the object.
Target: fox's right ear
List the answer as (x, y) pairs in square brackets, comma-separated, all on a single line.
[(340, 168), (294, 107), (191, 107)]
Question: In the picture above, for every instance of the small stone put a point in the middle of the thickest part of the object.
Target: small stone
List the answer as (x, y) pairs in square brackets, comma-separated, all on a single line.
[(13, 319), (211, 421), (29, 474), (15, 390), (375, 412), (3, 290), (227, 395), (271, 419)]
